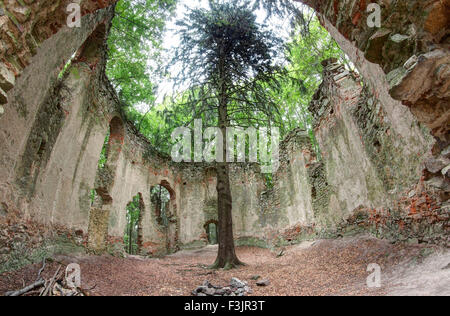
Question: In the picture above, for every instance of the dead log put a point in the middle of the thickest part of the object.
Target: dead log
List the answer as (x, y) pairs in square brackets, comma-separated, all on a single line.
[(26, 289)]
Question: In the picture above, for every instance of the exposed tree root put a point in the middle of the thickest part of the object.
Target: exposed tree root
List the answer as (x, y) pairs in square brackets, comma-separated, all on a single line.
[(227, 264)]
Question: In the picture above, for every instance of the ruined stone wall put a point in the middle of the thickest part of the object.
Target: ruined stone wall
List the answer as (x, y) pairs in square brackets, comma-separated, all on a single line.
[(31, 120), (411, 48), (287, 204), (42, 131), (138, 169), (199, 203), (405, 68), (379, 171), (375, 175), (54, 130), (25, 25), (372, 175)]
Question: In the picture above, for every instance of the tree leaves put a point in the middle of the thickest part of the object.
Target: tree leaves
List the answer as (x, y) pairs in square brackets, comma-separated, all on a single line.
[(224, 50), (135, 38), (260, 92)]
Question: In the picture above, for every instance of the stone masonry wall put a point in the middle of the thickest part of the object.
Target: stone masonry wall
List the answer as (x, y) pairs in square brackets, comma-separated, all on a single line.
[(288, 205), (411, 47), (199, 203), (24, 26), (375, 182), (380, 171), (54, 132), (34, 103)]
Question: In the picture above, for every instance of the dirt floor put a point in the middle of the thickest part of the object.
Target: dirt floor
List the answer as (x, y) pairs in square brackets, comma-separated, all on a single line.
[(325, 267)]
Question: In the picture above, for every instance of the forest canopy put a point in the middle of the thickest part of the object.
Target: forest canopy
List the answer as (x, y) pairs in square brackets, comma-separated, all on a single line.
[(139, 61)]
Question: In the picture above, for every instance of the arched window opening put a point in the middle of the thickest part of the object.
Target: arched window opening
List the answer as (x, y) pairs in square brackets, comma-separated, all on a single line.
[(160, 198), (112, 145), (104, 153), (91, 51), (115, 141), (132, 237)]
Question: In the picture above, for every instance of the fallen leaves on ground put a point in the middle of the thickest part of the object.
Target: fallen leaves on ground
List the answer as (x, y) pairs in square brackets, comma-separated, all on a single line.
[(328, 267)]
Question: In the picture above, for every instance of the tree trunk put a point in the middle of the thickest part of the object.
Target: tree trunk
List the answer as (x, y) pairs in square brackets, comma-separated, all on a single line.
[(130, 237), (226, 257)]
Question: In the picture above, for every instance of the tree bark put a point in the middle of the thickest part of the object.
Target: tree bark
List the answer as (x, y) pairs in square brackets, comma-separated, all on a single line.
[(226, 257), (130, 237)]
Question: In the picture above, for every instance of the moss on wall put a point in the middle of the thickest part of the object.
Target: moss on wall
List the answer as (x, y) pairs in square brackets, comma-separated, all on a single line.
[(98, 229), (46, 128), (321, 191), (252, 242), (396, 167), (210, 210)]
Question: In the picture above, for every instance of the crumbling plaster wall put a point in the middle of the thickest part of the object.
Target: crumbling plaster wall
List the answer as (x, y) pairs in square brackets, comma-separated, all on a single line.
[(370, 176), (52, 131), (30, 99), (288, 203), (138, 170), (58, 167), (411, 48), (25, 27), (199, 202), (375, 175), (62, 189), (349, 170)]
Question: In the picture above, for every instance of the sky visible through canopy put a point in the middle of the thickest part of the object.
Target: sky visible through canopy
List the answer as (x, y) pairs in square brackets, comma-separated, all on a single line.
[(171, 40)]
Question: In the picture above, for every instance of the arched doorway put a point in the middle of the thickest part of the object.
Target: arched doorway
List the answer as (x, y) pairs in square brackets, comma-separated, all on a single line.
[(165, 212), (133, 230), (212, 232)]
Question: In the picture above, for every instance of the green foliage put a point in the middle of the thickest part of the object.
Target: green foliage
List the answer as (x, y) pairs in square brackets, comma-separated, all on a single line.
[(269, 180), (65, 68), (259, 94), (229, 62), (104, 153), (92, 196), (305, 52), (226, 34), (283, 9), (212, 233), (24, 254), (130, 238), (135, 38)]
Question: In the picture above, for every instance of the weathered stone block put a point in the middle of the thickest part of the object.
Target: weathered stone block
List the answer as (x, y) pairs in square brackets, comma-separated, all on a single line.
[(434, 165), (3, 100), (7, 78)]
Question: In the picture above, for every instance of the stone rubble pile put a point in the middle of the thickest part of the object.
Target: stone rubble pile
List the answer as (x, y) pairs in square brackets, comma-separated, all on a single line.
[(236, 288)]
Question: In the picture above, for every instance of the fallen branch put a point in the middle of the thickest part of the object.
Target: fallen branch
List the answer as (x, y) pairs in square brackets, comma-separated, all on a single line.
[(26, 289), (43, 289), (41, 270), (50, 284), (50, 287)]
